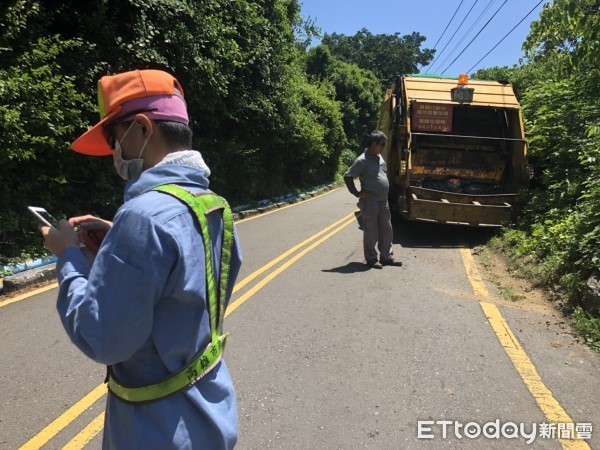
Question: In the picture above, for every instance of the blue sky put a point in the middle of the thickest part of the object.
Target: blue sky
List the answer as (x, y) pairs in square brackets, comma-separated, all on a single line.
[(429, 18)]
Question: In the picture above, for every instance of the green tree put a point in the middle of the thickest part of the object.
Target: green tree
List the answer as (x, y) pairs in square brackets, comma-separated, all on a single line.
[(357, 90), (559, 90), (569, 28), (524, 76), (40, 111), (562, 109), (315, 131), (564, 207), (238, 61), (386, 55)]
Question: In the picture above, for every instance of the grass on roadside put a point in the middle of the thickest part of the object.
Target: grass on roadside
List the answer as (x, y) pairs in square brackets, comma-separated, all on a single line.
[(509, 294), (506, 292), (588, 326), (526, 266)]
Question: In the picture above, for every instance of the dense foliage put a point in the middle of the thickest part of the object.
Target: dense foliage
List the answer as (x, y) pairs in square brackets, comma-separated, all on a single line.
[(558, 239), (357, 91), (264, 125), (387, 55), (270, 115)]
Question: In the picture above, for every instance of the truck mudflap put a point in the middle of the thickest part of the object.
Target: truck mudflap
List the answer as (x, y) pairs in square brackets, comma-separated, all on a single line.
[(494, 210)]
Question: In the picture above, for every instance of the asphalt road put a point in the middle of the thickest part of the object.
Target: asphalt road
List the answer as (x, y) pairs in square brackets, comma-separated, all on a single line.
[(326, 354)]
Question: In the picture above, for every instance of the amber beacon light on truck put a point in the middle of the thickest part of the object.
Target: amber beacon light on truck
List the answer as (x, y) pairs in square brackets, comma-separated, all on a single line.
[(456, 149)]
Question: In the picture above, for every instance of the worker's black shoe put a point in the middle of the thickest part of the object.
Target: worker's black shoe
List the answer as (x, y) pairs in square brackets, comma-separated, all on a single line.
[(391, 262), (374, 264)]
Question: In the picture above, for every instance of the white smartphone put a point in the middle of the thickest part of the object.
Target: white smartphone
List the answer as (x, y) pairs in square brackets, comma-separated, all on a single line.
[(43, 216)]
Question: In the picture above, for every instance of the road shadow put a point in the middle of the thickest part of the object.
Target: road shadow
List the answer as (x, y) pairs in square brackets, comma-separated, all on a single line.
[(351, 267), (413, 234)]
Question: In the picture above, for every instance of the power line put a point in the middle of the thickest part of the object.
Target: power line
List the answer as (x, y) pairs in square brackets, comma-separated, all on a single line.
[(478, 33), (506, 35), (451, 19), (451, 37), (467, 33)]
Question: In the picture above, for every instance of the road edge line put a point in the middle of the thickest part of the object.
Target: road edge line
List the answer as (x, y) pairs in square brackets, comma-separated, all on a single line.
[(18, 298), (544, 398)]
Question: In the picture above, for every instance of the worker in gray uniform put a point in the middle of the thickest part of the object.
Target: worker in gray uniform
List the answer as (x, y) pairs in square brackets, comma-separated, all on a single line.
[(371, 170)]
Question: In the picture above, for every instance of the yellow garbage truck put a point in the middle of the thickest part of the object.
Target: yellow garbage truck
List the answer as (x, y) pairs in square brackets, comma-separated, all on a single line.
[(456, 150)]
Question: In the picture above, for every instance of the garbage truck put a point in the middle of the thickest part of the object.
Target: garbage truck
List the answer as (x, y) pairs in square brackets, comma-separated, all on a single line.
[(456, 150)]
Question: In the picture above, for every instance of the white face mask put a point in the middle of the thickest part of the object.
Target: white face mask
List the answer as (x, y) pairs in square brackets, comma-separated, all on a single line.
[(129, 169)]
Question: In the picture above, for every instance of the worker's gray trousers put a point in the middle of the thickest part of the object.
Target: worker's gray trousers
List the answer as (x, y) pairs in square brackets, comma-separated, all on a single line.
[(377, 229)]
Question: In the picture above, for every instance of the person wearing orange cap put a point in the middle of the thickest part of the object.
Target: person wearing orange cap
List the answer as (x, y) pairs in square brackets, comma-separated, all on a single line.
[(152, 304)]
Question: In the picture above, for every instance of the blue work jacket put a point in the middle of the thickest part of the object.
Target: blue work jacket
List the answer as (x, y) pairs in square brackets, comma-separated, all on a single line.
[(142, 308)]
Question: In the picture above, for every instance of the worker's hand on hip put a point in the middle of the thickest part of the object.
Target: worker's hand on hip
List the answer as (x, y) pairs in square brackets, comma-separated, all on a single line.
[(364, 195), (57, 240)]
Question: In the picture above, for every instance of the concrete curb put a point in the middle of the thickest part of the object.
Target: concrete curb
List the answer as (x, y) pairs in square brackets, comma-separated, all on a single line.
[(27, 278)]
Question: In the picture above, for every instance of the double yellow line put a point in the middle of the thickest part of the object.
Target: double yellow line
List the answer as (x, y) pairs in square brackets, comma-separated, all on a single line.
[(91, 430), (328, 232)]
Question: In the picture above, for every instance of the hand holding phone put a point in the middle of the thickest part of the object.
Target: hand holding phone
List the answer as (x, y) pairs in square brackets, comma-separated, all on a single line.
[(57, 236), (43, 216), (91, 230)]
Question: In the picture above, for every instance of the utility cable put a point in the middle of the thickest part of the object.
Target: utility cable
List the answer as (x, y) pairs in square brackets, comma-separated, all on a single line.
[(478, 33), (465, 35), (506, 35), (451, 37), (445, 29)]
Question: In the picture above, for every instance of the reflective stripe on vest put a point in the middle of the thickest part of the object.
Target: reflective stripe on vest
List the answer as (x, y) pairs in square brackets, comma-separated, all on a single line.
[(201, 205)]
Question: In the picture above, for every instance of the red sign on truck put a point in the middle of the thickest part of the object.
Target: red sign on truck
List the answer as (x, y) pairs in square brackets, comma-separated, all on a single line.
[(436, 117)]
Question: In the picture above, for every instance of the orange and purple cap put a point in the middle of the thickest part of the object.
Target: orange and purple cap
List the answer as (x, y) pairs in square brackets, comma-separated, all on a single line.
[(154, 93)]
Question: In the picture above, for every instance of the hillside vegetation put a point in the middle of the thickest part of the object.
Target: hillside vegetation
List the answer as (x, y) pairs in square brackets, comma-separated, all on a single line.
[(557, 241), (268, 115), (271, 113)]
